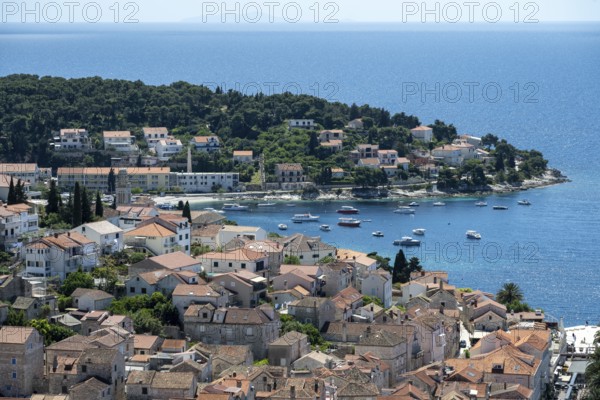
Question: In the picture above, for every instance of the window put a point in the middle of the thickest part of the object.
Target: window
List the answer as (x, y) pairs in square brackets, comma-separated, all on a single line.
[(143, 290), (13, 361), (216, 264), (132, 290), (230, 265), (84, 368), (244, 265), (144, 390), (14, 374)]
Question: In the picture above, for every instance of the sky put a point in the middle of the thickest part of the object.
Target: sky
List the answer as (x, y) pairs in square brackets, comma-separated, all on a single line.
[(313, 12)]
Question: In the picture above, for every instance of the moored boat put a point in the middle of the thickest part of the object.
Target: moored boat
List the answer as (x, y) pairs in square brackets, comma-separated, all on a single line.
[(282, 227), (481, 204), (404, 210), (418, 231), (265, 204), (234, 207), (524, 202), (439, 204), (500, 207), (347, 210), (325, 228), (473, 235), (414, 204), (407, 241), (308, 217), (349, 222), (378, 234)]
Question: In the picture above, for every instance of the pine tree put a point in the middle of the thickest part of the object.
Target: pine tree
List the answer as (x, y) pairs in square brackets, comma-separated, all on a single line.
[(86, 207), (53, 198), (77, 216), (12, 195), (187, 212), (20, 196), (99, 207)]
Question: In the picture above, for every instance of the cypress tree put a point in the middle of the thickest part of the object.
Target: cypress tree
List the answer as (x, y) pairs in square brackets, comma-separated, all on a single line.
[(86, 207), (187, 212), (400, 268), (77, 215), (20, 195), (53, 198), (12, 195), (112, 181), (99, 207)]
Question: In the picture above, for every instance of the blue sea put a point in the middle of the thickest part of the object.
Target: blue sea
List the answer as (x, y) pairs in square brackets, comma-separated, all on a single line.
[(537, 87)]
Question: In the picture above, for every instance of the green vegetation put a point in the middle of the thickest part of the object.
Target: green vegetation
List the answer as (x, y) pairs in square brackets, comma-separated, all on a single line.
[(16, 193), (402, 268), (51, 333), (74, 280), (288, 324), (149, 313), (291, 260), (372, 299), (187, 212), (512, 297)]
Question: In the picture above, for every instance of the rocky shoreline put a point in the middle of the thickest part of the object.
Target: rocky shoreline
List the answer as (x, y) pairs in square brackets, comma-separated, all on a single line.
[(550, 178)]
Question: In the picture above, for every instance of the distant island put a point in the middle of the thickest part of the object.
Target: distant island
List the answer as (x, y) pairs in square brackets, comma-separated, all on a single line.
[(288, 142)]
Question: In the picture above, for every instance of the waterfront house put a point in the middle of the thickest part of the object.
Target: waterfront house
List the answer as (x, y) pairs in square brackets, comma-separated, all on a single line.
[(243, 156), (308, 249), (69, 140), (206, 144), (229, 232), (122, 141), (254, 326), (205, 182), (153, 135), (21, 360), (96, 178), (108, 237), (387, 157), (290, 175), (302, 124), (422, 133), (167, 148)]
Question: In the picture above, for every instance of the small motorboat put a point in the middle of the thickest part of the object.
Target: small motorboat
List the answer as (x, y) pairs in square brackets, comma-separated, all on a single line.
[(523, 202), (347, 210), (414, 204), (481, 204), (407, 241), (500, 207), (439, 204), (167, 206), (265, 204), (282, 227), (366, 220), (404, 210), (349, 222), (214, 210), (418, 231), (308, 217), (325, 228), (234, 207), (473, 235), (290, 205), (378, 234)]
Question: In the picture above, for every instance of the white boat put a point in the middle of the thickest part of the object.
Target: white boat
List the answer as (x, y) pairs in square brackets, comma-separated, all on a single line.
[(325, 228), (500, 207), (214, 210), (404, 210), (347, 210), (414, 204), (439, 204), (523, 202), (481, 204), (378, 234), (407, 241), (234, 207), (282, 227), (305, 218), (366, 220), (290, 205), (473, 235), (418, 231), (265, 204), (349, 222)]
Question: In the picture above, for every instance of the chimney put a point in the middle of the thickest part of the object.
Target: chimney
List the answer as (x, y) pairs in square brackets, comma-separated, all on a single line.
[(292, 392), (344, 332)]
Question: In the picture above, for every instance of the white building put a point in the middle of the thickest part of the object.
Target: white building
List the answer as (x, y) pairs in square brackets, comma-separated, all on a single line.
[(423, 133), (208, 144), (161, 235), (167, 148), (5, 186), (235, 260), (153, 135), (302, 124), (455, 154), (243, 156), (72, 140), (387, 157), (203, 182), (229, 232), (16, 220), (378, 284), (25, 172), (59, 255), (107, 236), (122, 141)]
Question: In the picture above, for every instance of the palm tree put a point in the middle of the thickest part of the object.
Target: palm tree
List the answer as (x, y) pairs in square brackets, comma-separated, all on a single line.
[(509, 293), (592, 375)]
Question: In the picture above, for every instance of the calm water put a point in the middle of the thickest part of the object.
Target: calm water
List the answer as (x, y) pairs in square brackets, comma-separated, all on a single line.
[(554, 68)]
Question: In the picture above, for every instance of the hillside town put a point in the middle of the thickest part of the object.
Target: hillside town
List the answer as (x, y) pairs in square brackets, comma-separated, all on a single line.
[(139, 302)]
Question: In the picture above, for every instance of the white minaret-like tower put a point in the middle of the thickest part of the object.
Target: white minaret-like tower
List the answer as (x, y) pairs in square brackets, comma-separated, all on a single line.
[(189, 160), (123, 188)]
